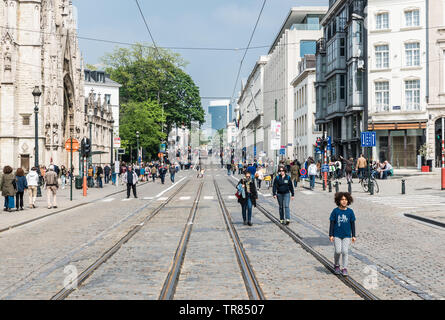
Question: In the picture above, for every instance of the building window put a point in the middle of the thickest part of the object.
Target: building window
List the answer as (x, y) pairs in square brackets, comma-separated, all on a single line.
[(382, 96), (382, 21), (382, 57), (108, 98), (358, 81), (412, 18), (412, 53), (26, 120), (412, 94), (307, 47), (342, 87)]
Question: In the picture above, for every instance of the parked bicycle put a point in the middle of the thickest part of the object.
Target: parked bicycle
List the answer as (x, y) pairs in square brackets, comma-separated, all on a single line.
[(365, 182)]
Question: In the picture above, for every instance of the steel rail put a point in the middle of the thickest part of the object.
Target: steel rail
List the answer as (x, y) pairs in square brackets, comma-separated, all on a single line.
[(171, 281), (65, 292), (63, 210), (252, 285), (350, 282), (426, 220)]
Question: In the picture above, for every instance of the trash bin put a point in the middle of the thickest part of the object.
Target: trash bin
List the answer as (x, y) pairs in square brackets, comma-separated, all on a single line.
[(78, 182), (429, 163)]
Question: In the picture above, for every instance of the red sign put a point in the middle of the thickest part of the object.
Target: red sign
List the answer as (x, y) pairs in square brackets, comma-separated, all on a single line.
[(75, 145), (303, 172)]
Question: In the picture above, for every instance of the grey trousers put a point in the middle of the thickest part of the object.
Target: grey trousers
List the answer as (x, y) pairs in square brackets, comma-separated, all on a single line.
[(341, 246)]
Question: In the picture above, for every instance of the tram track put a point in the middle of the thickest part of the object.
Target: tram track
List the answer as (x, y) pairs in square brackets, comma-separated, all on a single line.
[(348, 281), (82, 277), (8, 228), (171, 282), (251, 282)]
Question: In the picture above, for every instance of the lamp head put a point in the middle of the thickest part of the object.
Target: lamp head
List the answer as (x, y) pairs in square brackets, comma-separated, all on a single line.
[(36, 93)]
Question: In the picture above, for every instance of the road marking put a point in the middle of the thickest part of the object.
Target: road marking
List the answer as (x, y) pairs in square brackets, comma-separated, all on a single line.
[(208, 198), (308, 192), (108, 200), (162, 198), (127, 199), (148, 198), (184, 198), (172, 186), (217, 175), (231, 197)]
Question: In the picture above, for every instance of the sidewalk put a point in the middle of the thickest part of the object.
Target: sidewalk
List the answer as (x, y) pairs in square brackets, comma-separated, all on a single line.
[(13, 218)]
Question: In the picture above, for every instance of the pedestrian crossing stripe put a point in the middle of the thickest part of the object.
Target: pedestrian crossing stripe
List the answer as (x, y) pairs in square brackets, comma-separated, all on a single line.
[(231, 197), (108, 200), (307, 192), (162, 198), (148, 198), (128, 199), (184, 198), (208, 197)]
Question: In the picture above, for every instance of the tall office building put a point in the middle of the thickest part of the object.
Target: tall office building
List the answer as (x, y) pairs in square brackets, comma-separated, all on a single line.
[(220, 112)]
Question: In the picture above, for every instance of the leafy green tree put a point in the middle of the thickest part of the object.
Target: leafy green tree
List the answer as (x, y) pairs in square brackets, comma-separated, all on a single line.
[(147, 75), (145, 117)]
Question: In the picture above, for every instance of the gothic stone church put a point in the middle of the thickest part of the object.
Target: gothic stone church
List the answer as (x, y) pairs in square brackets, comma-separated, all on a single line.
[(39, 47)]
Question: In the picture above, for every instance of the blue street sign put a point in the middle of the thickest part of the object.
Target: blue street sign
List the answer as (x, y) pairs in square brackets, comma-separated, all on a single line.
[(333, 150), (325, 168), (254, 150), (283, 151), (368, 139), (329, 143)]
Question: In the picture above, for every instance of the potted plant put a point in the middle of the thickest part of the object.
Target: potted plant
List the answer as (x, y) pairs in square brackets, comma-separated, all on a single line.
[(425, 151)]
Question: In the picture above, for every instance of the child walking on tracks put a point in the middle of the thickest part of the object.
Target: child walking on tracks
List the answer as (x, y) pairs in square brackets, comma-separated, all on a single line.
[(342, 228)]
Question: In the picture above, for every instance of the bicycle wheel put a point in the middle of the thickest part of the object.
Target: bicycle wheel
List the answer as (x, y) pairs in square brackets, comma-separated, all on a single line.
[(376, 186), (365, 184)]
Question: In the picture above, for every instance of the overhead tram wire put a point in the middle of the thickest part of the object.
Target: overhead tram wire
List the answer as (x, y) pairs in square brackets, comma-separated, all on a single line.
[(247, 48)]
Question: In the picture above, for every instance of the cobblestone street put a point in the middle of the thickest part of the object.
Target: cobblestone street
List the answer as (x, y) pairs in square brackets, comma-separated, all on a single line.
[(395, 257)]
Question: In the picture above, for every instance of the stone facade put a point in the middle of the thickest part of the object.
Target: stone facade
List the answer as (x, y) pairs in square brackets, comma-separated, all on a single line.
[(39, 47)]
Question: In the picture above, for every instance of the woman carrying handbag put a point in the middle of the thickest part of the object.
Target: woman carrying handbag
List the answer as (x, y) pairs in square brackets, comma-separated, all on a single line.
[(247, 196)]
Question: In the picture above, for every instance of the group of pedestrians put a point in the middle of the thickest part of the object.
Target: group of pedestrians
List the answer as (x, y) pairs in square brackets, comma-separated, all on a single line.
[(14, 185), (342, 218)]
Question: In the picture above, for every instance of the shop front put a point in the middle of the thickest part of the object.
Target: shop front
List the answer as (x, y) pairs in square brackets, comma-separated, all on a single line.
[(399, 143)]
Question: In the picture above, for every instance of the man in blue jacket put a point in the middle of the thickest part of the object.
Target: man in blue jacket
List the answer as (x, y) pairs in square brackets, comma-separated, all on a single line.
[(282, 190)]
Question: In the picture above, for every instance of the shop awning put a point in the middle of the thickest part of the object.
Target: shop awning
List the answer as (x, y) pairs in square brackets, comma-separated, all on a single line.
[(397, 126)]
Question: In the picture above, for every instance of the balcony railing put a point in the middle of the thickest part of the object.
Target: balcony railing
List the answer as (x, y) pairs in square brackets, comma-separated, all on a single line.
[(357, 7), (321, 46), (304, 26)]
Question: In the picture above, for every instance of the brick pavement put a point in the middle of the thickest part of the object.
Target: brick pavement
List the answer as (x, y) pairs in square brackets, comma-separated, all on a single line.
[(283, 268), (38, 252), (408, 254)]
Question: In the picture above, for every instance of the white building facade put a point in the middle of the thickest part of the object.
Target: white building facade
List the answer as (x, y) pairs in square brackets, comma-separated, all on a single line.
[(397, 79), (297, 37), (251, 109), (306, 131), (103, 99)]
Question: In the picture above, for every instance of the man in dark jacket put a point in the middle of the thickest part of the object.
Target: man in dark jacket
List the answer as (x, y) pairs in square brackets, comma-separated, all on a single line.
[(282, 188), (162, 172), (248, 196), (107, 171), (99, 173)]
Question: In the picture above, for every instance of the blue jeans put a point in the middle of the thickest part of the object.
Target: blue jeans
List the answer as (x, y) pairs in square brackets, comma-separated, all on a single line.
[(99, 182), (172, 177), (312, 181), (283, 202), (247, 209)]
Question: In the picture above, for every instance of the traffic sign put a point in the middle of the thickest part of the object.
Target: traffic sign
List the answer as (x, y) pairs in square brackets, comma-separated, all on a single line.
[(368, 139), (75, 145), (117, 142), (325, 168), (162, 148), (303, 172), (329, 143), (283, 151), (120, 151)]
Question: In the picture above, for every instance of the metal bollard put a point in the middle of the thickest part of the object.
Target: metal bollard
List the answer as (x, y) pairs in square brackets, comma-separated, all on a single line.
[(336, 186), (330, 186), (324, 186), (403, 186)]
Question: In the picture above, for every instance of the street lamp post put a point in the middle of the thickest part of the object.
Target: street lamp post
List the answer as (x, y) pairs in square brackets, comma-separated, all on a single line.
[(90, 122), (137, 143), (37, 93), (111, 144)]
